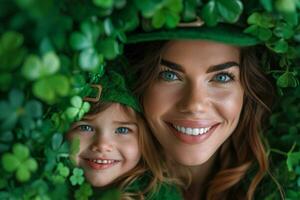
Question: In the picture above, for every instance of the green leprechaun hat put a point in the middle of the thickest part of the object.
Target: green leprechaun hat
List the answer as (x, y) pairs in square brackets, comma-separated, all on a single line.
[(113, 87), (225, 33)]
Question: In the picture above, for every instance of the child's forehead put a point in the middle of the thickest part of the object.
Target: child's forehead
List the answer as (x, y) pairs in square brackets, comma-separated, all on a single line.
[(116, 112)]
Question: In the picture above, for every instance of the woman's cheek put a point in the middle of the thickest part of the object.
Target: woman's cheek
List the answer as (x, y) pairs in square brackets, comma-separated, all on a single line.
[(229, 102)]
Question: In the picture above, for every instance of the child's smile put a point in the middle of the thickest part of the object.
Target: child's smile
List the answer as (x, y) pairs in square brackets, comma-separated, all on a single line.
[(108, 144)]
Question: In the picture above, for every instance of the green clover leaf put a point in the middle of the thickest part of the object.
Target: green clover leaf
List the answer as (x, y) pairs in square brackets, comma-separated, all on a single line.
[(11, 51), (230, 10), (168, 14), (104, 3), (35, 68), (57, 140), (78, 109), (13, 111), (263, 34), (147, 7), (287, 79), (284, 30), (49, 89), (280, 46), (79, 41), (293, 159), (89, 59), (215, 10), (84, 41), (109, 47), (261, 19), (84, 192), (87, 37), (20, 162), (63, 170), (267, 4), (77, 177)]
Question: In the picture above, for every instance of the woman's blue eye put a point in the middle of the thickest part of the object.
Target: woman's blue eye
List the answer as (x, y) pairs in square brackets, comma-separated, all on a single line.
[(85, 128), (168, 75), (223, 78), (122, 130)]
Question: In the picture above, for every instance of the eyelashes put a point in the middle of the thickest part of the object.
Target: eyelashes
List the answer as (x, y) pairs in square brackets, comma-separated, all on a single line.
[(221, 77), (168, 75)]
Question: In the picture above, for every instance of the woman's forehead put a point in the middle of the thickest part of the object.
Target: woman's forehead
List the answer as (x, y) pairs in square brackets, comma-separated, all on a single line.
[(199, 46), (198, 53)]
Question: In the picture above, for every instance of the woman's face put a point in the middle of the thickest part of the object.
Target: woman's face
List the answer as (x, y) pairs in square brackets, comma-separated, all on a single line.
[(108, 145), (195, 102)]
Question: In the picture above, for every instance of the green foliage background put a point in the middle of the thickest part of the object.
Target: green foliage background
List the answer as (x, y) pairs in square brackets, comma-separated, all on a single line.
[(51, 49)]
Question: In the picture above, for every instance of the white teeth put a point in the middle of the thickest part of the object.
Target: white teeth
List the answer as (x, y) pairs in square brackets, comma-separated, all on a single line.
[(191, 131), (103, 161)]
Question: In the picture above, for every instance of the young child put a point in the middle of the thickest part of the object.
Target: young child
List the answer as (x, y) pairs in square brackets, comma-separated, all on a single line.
[(116, 148)]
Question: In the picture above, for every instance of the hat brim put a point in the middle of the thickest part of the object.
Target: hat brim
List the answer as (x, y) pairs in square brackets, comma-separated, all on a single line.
[(227, 34)]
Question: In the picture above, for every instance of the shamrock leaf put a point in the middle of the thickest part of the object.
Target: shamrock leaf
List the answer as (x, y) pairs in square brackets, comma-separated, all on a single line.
[(35, 68), (61, 173), (87, 37), (63, 170), (261, 20), (230, 10), (284, 30), (215, 10), (55, 150), (263, 34), (13, 111), (168, 14), (109, 47), (84, 192), (104, 3), (77, 177), (19, 161), (293, 159), (11, 51), (147, 7), (189, 10), (90, 60), (49, 89), (287, 79), (84, 41), (78, 109)]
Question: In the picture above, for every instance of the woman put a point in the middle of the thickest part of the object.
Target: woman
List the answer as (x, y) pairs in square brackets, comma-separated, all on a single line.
[(205, 102)]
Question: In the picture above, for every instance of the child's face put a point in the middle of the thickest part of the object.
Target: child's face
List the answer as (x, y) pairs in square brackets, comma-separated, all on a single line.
[(108, 144)]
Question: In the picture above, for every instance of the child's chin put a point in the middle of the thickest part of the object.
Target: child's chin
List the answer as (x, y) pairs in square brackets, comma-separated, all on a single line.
[(99, 181)]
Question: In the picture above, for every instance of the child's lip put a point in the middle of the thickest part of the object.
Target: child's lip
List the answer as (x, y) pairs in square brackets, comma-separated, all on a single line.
[(102, 160), (99, 164)]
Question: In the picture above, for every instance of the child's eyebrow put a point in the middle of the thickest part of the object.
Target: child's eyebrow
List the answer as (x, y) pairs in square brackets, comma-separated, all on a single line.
[(126, 123)]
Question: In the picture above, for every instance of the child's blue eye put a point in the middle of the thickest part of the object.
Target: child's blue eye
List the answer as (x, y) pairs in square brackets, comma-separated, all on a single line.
[(168, 75), (122, 130), (223, 77), (85, 128)]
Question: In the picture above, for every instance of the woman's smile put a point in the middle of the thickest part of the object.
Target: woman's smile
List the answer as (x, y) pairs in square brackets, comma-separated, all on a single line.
[(192, 135), (194, 103)]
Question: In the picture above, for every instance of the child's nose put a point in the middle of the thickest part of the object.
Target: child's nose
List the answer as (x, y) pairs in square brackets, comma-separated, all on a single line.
[(102, 143)]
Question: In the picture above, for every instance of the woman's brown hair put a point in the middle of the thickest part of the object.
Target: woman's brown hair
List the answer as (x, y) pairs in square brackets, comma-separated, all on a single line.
[(244, 150)]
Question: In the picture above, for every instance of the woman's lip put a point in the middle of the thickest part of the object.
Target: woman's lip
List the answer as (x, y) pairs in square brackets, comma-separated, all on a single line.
[(194, 123), (193, 139)]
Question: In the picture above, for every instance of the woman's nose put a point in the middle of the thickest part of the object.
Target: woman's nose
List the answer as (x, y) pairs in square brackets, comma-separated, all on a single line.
[(194, 99), (102, 143)]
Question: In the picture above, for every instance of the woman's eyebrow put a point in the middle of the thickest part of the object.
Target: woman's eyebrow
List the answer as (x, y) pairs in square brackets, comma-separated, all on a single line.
[(222, 66), (213, 68), (171, 65)]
